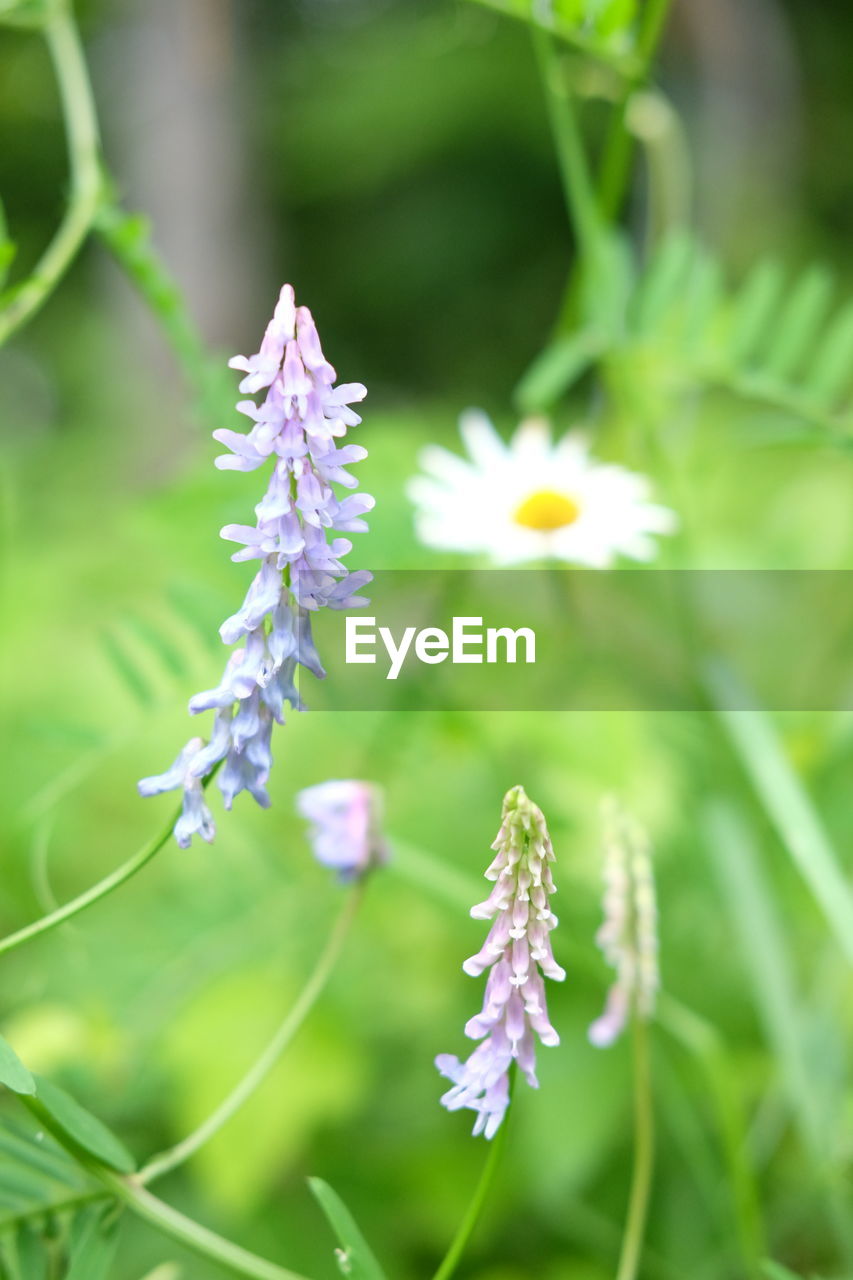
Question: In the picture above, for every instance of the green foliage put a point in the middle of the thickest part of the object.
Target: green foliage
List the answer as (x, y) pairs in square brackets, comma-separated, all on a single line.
[(128, 237), (354, 1257), (775, 1271), (26, 13), (78, 1127), (94, 1237), (110, 554), (672, 327), (317, 1081), (13, 1073), (603, 29), (7, 248), (39, 1177), (46, 1221)]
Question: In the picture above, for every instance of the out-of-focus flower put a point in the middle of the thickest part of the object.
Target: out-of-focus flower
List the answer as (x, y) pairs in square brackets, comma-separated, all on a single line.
[(518, 946), (295, 428), (628, 936), (346, 825), (533, 499)]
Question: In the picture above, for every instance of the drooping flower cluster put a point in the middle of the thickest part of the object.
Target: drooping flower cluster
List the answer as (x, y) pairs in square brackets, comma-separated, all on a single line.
[(296, 427), (346, 826), (628, 935), (518, 946), (534, 499)]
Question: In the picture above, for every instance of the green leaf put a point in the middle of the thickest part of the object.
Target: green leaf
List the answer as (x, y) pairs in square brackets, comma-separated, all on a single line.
[(22, 1256), (13, 1073), (7, 248), (761, 935), (94, 1237), (796, 329), (127, 669), (755, 308), (167, 652), (785, 801), (680, 329), (832, 369), (25, 13), (355, 1258), (555, 369), (37, 1176), (775, 1271), (661, 289), (617, 17), (64, 1115)]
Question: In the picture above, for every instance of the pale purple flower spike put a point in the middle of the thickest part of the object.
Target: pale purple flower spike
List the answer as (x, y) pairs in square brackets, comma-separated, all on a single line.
[(517, 948), (628, 935), (296, 428), (346, 826)]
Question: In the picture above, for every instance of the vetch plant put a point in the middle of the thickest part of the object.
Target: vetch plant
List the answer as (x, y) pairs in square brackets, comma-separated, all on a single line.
[(296, 428), (348, 835), (518, 955), (649, 323), (628, 935), (629, 940)]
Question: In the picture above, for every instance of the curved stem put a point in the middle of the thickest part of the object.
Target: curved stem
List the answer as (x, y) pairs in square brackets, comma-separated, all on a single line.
[(103, 887), (92, 895), (261, 1068), (472, 1215), (190, 1233), (644, 1141), (81, 128)]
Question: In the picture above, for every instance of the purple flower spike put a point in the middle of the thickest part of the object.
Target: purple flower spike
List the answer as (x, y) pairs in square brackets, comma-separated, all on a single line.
[(628, 936), (295, 432), (517, 948)]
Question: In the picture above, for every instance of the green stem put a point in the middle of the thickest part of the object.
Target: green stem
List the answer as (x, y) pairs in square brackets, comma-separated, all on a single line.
[(644, 1144), (616, 161), (261, 1068), (187, 1232), (102, 888), (81, 128), (655, 14), (574, 172), (475, 1208), (92, 895)]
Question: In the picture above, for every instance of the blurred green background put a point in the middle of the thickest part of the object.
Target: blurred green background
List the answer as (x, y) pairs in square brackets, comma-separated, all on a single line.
[(392, 159)]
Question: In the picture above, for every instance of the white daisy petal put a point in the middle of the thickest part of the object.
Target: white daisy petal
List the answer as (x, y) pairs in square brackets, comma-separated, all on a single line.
[(534, 499), (480, 438)]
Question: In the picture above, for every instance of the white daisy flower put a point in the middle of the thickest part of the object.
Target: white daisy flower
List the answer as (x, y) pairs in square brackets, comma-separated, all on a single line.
[(533, 499)]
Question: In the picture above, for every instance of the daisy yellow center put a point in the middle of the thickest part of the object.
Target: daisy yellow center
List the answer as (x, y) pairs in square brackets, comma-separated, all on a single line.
[(546, 510)]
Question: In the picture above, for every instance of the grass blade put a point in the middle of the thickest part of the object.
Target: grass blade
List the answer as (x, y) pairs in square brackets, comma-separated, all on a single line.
[(786, 802)]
